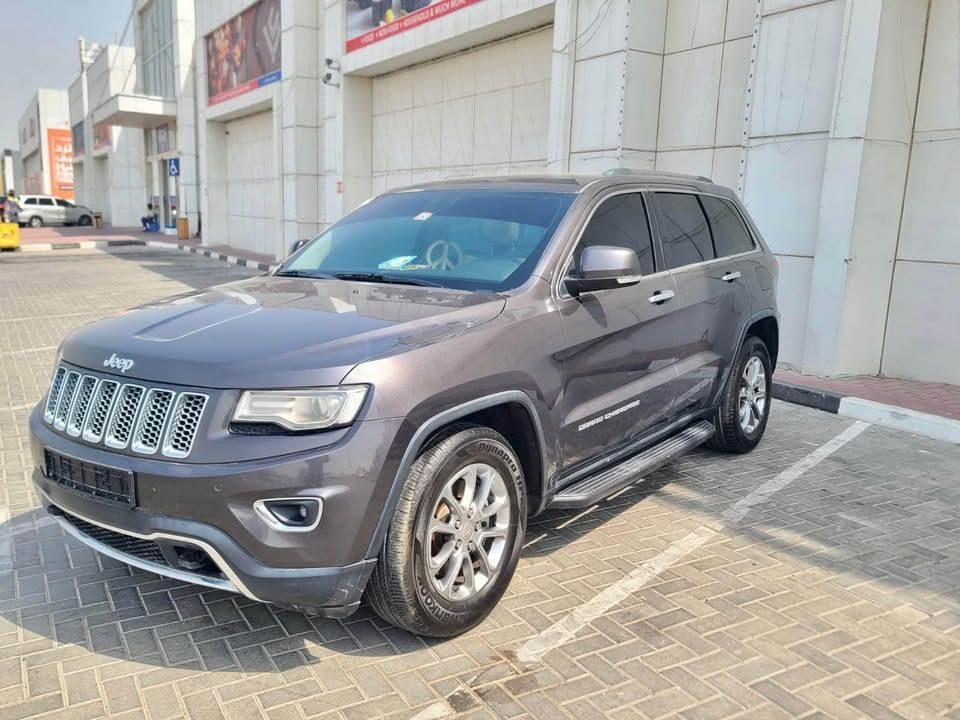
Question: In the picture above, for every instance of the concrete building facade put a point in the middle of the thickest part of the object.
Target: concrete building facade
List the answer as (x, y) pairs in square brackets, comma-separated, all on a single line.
[(836, 121), (108, 161), (45, 145)]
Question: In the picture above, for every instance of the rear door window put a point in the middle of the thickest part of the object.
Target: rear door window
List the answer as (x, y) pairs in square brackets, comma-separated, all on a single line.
[(621, 221), (730, 235), (685, 234), (45, 201)]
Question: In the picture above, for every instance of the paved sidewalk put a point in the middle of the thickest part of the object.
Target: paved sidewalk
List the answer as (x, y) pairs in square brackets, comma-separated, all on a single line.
[(933, 398), (808, 579)]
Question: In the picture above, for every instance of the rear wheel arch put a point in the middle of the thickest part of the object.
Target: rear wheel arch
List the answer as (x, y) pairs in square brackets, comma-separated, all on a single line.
[(767, 329)]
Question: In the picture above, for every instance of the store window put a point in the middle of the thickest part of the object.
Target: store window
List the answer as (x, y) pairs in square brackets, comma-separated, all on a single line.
[(156, 28)]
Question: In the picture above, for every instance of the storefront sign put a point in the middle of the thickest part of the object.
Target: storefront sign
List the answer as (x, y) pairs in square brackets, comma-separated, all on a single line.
[(370, 21), (60, 147), (244, 53), (102, 136)]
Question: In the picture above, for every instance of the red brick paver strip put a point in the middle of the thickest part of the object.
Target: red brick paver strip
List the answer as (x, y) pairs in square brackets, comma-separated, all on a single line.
[(933, 398)]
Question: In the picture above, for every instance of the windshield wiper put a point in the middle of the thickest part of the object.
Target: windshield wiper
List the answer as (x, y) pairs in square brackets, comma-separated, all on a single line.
[(304, 274), (387, 279)]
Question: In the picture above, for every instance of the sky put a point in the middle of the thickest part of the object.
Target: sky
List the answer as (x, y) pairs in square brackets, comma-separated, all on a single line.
[(38, 48)]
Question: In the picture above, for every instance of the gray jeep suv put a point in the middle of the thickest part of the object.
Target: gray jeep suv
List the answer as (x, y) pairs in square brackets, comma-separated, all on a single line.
[(384, 412)]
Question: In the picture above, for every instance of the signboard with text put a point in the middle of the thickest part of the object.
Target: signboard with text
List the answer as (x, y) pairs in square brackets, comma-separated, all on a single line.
[(370, 21), (244, 53), (60, 148)]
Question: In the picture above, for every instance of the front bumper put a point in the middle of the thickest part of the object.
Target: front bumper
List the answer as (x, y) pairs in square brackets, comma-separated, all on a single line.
[(209, 508)]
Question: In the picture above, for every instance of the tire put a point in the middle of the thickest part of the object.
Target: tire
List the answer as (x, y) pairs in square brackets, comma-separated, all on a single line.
[(85, 221), (35, 222), (732, 434), (402, 590)]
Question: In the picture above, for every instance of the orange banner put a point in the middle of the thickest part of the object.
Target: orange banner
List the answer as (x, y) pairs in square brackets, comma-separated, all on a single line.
[(60, 142)]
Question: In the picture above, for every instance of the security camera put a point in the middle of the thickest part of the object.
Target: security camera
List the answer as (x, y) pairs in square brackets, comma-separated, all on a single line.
[(327, 79), (333, 64)]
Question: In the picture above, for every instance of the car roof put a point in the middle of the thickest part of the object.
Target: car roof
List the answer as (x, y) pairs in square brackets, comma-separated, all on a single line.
[(570, 183)]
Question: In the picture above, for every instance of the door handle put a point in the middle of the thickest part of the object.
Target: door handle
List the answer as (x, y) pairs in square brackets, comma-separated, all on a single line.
[(660, 297), (731, 276)]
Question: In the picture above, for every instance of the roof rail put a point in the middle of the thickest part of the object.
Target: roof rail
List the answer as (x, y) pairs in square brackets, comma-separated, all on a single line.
[(612, 172)]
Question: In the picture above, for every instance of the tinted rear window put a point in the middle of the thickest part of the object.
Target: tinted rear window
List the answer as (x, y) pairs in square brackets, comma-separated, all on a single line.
[(730, 235), (685, 234)]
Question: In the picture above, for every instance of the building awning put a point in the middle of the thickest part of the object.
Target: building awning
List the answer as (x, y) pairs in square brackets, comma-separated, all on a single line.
[(139, 111)]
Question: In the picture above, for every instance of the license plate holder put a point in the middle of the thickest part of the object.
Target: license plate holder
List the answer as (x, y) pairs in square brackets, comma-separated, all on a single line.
[(100, 482)]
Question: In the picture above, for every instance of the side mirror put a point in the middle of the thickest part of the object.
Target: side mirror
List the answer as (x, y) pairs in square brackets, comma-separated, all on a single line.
[(603, 267), (296, 246)]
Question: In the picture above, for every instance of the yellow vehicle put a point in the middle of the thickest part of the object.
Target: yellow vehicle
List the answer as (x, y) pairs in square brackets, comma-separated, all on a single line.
[(9, 236)]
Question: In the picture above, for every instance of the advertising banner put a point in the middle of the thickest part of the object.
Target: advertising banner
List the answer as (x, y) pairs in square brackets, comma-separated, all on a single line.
[(102, 135), (60, 145), (244, 53), (370, 21)]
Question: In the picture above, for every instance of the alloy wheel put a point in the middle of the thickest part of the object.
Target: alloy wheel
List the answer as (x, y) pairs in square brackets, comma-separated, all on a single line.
[(753, 395), (467, 532)]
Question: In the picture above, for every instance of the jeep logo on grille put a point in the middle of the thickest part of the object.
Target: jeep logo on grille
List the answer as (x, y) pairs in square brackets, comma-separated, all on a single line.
[(118, 363)]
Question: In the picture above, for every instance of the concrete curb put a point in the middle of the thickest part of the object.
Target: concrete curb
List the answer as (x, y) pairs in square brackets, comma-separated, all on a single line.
[(808, 396), (80, 245), (899, 418), (199, 250), (891, 416)]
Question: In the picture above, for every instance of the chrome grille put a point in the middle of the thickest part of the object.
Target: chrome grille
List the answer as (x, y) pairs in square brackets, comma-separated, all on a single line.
[(100, 409), (149, 430), (66, 399), (80, 405), (147, 420), (124, 416), (183, 425), (54, 395)]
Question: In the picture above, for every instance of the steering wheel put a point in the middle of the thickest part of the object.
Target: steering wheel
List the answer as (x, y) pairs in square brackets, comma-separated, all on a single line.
[(444, 255)]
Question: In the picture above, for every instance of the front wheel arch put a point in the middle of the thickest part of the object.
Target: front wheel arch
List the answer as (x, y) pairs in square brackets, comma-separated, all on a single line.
[(432, 428)]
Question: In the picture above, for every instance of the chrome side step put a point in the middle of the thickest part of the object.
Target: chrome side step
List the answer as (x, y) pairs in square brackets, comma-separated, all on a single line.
[(595, 488)]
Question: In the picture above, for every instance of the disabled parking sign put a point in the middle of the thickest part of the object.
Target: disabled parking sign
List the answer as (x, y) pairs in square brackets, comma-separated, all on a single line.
[(173, 167)]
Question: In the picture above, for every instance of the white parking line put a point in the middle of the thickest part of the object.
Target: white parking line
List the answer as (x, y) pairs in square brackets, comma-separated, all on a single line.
[(27, 350), (566, 629)]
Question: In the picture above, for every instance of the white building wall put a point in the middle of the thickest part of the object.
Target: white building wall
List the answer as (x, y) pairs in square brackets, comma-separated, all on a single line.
[(110, 180), (923, 329), (482, 112), (47, 109)]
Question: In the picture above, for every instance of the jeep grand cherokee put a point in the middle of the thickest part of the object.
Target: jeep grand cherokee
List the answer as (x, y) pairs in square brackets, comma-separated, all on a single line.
[(384, 412)]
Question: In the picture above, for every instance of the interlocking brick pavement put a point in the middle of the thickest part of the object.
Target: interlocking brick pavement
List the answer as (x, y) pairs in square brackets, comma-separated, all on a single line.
[(839, 596)]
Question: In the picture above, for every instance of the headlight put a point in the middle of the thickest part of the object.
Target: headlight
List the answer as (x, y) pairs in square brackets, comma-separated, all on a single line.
[(302, 409)]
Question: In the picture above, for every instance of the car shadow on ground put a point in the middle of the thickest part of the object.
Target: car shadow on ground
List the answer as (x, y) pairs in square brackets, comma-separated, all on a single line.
[(81, 601)]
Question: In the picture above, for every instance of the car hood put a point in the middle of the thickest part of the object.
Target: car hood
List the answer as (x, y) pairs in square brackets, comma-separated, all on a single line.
[(274, 331)]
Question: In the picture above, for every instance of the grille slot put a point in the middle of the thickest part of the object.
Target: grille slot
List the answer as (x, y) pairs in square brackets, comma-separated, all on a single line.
[(147, 420), (54, 395), (124, 416), (66, 399), (79, 410), (183, 425), (149, 430), (100, 411)]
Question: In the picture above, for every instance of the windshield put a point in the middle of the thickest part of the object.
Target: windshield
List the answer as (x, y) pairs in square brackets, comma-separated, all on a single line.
[(464, 239)]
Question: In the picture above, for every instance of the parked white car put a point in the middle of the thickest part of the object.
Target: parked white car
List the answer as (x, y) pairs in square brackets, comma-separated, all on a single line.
[(39, 210)]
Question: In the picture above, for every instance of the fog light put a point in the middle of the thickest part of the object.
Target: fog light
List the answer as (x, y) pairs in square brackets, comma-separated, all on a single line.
[(290, 514)]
